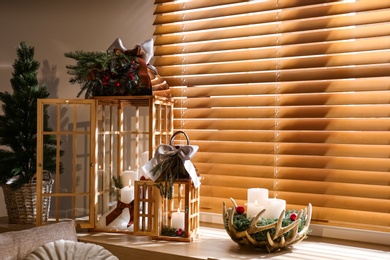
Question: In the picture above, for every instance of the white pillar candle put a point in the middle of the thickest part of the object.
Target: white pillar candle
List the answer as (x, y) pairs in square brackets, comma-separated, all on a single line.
[(259, 195), (144, 160), (178, 219), (253, 208), (127, 176), (274, 208), (127, 194)]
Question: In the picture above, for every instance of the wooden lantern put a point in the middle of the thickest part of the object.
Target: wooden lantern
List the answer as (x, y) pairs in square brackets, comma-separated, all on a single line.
[(105, 136), (175, 219), (127, 128)]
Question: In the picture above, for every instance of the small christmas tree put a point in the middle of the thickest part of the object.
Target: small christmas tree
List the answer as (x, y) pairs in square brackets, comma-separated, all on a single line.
[(18, 124)]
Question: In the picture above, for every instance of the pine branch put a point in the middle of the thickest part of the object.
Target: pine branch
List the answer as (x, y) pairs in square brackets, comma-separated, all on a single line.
[(171, 170), (102, 74)]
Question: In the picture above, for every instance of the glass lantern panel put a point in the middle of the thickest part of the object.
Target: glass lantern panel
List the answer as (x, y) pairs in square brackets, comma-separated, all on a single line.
[(83, 162), (51, 110), (71, 123)]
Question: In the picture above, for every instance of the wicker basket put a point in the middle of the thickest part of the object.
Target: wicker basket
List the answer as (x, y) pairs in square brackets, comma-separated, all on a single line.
[(21, 203)]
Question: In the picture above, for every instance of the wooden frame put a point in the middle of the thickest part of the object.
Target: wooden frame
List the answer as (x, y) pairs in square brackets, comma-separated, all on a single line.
[(151, 120), (185, 199), (146, 209), (126, 127), (72, 126)]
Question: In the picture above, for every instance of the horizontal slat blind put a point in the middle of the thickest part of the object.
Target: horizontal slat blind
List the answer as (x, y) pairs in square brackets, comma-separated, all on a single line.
[(288, 95)]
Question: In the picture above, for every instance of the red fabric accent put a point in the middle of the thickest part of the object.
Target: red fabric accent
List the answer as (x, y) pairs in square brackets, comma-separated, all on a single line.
[(118, 210)]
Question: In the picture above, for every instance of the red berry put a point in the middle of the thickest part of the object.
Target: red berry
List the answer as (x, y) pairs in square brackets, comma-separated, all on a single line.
[(240, 209), (293, 216)]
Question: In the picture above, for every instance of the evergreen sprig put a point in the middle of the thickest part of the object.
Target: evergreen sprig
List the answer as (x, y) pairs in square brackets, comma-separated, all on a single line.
[(117, 187), (172, 232), (104, 73), (117, 182), (170, 170)]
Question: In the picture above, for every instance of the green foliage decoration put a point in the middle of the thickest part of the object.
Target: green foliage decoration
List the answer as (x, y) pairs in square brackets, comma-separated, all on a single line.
[(115, 191), (18, 123), (241, 223), (172, 232), (171, 170), (106, 73)]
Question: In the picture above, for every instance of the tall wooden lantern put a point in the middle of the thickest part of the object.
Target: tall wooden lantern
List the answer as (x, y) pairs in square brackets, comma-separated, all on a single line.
[(128, 130), (104, 138)]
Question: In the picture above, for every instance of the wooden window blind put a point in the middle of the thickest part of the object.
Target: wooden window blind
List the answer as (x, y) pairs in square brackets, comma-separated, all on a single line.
[(288, 95)]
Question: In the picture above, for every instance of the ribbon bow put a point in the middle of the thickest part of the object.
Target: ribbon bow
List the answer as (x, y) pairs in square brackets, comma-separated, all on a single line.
[(147, 52), (144, 52), (185, 153), (118, 210)]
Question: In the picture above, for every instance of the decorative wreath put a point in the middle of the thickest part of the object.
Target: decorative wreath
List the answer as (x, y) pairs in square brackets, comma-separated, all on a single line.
[(107, 73), (273, 234)]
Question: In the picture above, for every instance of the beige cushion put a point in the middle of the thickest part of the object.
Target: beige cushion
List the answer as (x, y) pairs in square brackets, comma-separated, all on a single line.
[(70, 250), (18, 244)]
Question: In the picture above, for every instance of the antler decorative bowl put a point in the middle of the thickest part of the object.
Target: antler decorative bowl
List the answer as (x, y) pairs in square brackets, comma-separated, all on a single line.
[(272, 234)]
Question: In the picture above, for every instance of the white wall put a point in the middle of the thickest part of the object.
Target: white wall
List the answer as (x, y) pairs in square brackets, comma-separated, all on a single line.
[(56, 27)]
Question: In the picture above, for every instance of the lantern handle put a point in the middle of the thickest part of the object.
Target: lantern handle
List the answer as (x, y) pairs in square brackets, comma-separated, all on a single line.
[(177, 133)]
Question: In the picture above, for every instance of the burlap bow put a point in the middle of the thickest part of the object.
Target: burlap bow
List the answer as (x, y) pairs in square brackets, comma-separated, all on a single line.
[(146, 48), (185, 153), (118, 211), (144, 52)]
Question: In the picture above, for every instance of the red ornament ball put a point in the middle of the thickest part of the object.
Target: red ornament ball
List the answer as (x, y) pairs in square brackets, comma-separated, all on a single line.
[(293, 216), (240, 209)]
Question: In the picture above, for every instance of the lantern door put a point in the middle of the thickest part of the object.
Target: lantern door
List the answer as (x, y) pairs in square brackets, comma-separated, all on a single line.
[(72, 196)]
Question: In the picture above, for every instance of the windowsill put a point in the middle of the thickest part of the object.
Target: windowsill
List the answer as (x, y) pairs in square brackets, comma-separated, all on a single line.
[(214, 243)]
